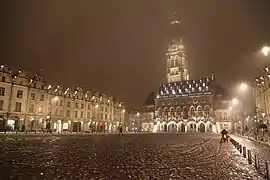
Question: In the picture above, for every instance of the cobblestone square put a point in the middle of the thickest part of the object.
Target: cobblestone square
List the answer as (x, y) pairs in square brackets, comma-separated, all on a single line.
[(132, 156)]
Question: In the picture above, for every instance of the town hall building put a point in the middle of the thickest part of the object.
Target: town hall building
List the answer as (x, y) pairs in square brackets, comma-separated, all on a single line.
[(183, 104)]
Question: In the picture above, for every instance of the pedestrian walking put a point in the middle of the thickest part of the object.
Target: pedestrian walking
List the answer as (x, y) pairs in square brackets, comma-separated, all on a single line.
[(120, 131)]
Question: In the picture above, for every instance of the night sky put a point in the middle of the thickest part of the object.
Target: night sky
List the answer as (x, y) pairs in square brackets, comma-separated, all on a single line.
[(118, 46)]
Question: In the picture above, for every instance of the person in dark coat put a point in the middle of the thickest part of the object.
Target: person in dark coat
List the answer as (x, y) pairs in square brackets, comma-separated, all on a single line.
[(120, 131), (224, 136), (224, 132)]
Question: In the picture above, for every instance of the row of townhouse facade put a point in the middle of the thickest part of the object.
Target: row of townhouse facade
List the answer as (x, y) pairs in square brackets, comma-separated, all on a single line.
[(262, 99), (31, 104)]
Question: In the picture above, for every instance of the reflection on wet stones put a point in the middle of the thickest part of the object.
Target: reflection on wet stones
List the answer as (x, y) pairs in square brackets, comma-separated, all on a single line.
[(159, 156)]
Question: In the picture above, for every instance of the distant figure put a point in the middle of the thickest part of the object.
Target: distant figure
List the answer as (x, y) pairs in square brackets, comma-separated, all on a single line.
[(120, 131), (224, 136), (224, 132)]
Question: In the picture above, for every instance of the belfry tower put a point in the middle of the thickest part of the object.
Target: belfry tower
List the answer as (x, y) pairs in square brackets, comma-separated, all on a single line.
[(176, 64)]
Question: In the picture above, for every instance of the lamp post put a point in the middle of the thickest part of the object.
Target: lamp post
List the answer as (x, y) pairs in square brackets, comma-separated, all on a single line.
[(263, 114), (123, 111), (96, 113), (138, 120), (234, 104)]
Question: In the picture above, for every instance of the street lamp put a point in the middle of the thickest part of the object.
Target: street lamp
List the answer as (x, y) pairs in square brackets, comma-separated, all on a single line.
[(263, 115), (56, 98), (265, 50), (243, 86), (235, 101)]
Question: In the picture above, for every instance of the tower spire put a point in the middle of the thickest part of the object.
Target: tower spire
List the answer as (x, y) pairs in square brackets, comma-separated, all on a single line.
[(176, 63), (175, 19)]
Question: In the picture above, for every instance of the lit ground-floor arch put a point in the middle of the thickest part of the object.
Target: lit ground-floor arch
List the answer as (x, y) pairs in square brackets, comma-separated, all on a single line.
[(191, 126), (209, 126), (181, 127), (204, 126), (201, 127), (172, 126)]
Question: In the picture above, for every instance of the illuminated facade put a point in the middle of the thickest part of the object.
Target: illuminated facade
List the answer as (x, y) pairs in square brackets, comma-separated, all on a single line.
[(226, 116), (181, 104), (30, 104), (148, 113), (262, 98), (185, 106), (147, 116), (176, 64), (135, 121)]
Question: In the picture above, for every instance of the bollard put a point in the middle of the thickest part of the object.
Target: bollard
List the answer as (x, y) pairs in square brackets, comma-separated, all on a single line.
[(257, 165), (237, 145), (267, 170), (245, 152), (249, 157), (240, 148)]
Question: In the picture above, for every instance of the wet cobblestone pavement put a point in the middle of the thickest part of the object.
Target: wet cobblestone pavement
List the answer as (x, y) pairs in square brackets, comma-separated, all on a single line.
[(262, 150), (137, 156)]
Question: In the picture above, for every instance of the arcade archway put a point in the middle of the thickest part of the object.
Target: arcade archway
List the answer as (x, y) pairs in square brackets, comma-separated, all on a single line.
[(181, 127), (172, 127), (202, 127)]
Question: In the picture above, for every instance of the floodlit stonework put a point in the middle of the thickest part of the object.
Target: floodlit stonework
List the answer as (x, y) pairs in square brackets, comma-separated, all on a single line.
[(30, 104), (182, 104)]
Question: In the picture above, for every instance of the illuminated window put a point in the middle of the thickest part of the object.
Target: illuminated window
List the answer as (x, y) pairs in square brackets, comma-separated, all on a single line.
[(19, 94), (2, 91)]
